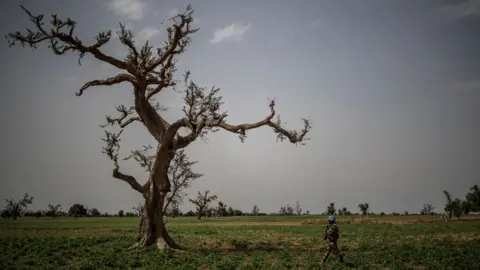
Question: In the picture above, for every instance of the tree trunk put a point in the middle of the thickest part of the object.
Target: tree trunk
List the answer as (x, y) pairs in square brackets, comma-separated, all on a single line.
[(152, 229)]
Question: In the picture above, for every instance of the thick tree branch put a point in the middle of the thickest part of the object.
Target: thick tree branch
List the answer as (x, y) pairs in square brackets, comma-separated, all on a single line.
[(203, 114), (197, 128), (111, 150), (107, 82), (61, 38)]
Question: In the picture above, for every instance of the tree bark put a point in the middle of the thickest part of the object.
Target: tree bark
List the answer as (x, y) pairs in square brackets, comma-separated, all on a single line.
[(152, 229)]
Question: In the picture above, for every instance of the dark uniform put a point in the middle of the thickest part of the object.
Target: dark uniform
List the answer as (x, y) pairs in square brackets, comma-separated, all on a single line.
[(332, 234)]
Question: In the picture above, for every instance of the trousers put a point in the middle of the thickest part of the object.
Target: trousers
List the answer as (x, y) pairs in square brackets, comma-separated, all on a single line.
[(333, 247)]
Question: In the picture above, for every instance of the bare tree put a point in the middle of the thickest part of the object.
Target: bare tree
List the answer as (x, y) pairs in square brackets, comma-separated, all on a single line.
[(343, 211), (473, 197), (202, 202), (173, 209), (331, 209), (364, 207), (5, 214), (449, 207), (53, 210), (222, 209), (17, 208), (138, 209), (255, 210), (427, 209), (298, 209), (149, 72), (286, 210)]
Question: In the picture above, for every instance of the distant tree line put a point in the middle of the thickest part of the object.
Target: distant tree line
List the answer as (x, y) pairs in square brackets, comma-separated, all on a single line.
[(203, 202)]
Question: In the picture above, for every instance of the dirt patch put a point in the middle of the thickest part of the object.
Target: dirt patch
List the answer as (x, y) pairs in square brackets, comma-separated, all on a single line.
[(243, 223), (388, 220)]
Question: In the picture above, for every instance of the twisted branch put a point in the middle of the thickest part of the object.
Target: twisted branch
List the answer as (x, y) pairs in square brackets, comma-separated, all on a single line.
[(111, 149)]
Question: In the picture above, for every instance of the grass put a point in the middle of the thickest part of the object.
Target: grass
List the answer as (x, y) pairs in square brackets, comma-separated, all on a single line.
[(240, 243)]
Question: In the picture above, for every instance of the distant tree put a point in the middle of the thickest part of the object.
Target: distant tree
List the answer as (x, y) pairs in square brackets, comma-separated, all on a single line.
[(5, 214), (467, 207), (427, 209), (173, 208), (230, 211), (93, 212), (449, 206), (474, 198), (138, 209), (331, 209), (222, 209), (237, 213), (17, 208), (286, 210), (298, 209), (210, 212), (307, 212), (38, 214), (53, 210), (77, 210), (121, 213), (255, 210), (457, 208), (202, 202), (364, 207), (190, 213)]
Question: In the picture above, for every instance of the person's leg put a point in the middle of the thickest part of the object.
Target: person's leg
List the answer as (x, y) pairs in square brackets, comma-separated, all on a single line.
[(337, 251), (329, 249)]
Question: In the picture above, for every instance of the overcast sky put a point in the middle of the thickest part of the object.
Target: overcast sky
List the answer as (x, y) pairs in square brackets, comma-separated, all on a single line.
[(392, 87)]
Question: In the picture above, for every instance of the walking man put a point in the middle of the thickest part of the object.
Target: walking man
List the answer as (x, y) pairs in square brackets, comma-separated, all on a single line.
[(332, 234)]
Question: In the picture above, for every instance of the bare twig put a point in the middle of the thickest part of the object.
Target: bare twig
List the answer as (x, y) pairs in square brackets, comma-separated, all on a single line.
[(62, 39), (111, 150)]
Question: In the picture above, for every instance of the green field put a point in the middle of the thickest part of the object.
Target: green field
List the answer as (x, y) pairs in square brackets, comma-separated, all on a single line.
[(239, 243)]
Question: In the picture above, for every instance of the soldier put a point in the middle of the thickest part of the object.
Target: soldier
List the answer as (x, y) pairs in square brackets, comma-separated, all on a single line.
[(332, 234)]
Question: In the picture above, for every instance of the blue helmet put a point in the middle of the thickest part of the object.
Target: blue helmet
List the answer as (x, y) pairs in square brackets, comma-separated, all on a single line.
[(331, 218)]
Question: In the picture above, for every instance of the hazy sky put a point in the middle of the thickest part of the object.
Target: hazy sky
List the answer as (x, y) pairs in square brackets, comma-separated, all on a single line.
[(392, 87)]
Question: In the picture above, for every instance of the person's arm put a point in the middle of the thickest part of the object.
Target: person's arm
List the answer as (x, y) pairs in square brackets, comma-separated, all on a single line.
[(325, 233)]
